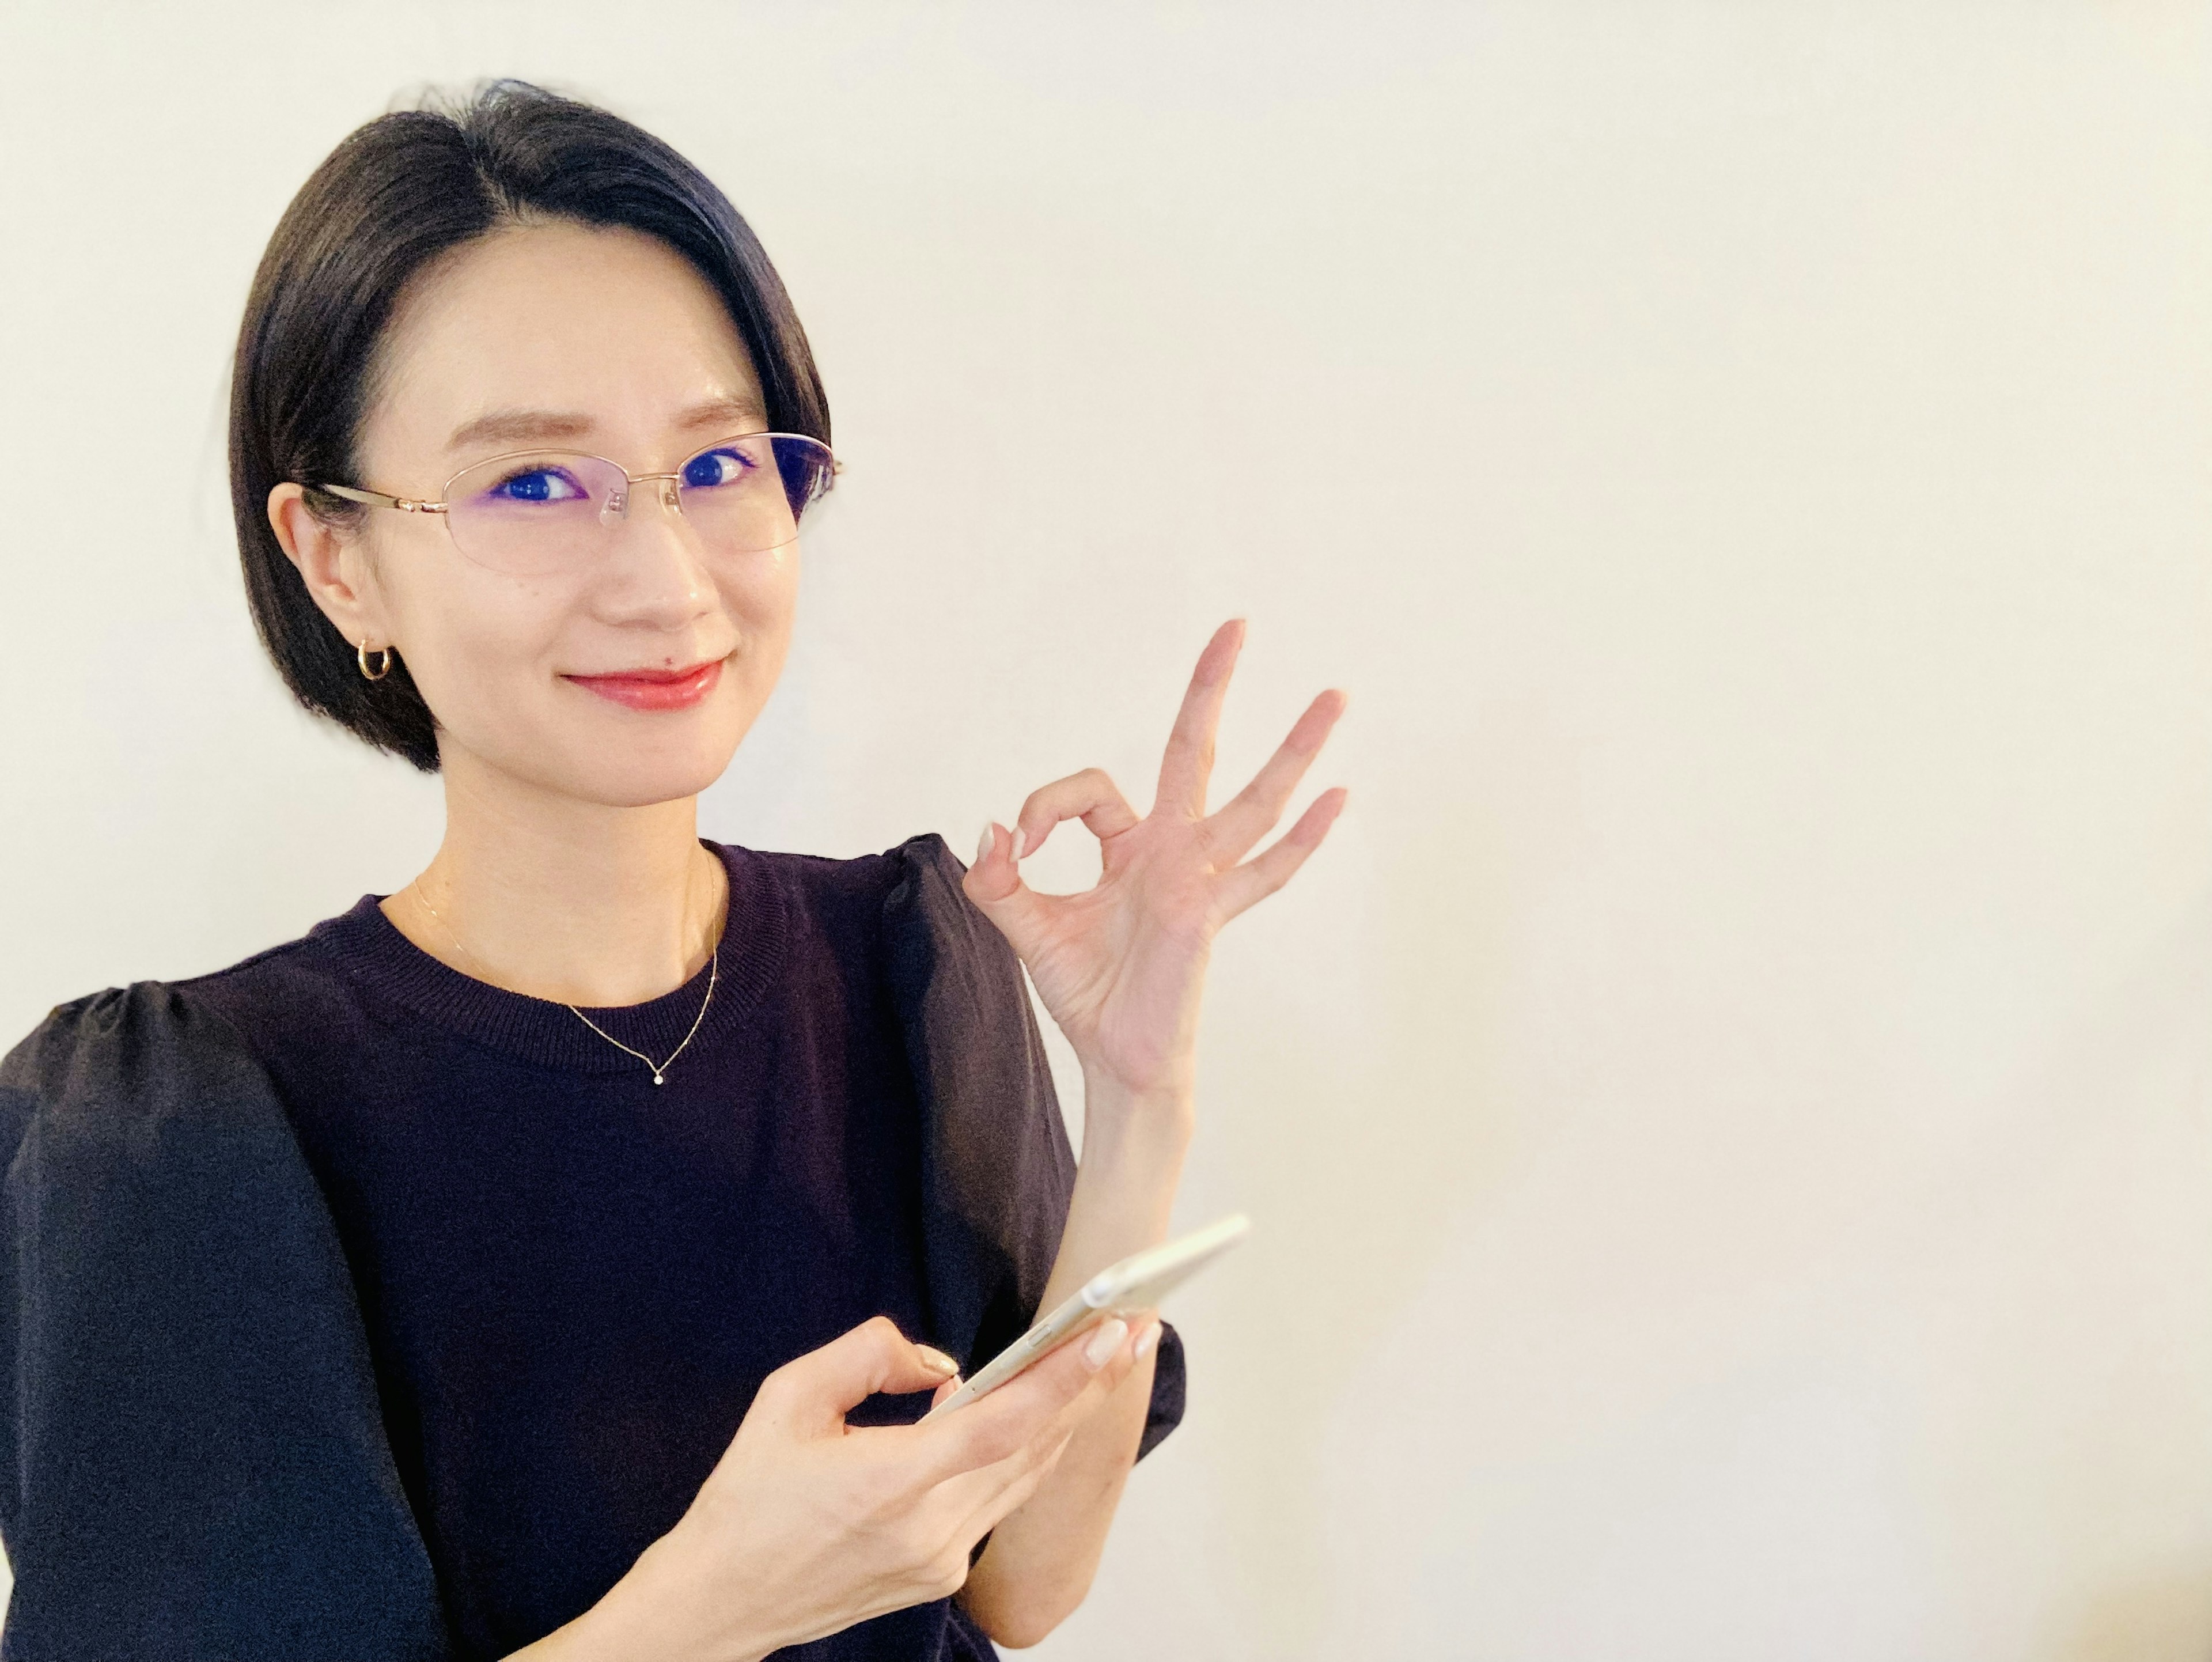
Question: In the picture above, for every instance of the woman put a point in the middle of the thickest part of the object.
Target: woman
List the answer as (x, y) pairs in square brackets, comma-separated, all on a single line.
[(549, 1259)]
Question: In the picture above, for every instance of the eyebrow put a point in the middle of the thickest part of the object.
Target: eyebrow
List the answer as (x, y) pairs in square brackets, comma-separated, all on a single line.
[(541, 426)]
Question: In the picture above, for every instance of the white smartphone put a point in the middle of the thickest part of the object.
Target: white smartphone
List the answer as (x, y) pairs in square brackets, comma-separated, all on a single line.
[(1136, 1283)]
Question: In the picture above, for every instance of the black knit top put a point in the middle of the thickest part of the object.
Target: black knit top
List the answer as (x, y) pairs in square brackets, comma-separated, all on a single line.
[(572, 1280)]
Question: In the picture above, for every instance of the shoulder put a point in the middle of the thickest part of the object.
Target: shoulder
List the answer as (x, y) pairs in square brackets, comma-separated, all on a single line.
[(117, 1033), (208, 1020), (954, 981), (130, 1064), (868, 880), (282, 996), (898, 901)]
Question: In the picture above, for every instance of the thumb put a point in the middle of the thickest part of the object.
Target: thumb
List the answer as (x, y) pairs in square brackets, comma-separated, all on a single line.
[(994, 883), (815, 1392)]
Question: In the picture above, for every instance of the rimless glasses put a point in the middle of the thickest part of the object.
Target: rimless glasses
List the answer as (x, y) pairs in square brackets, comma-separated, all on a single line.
[(535, 512)]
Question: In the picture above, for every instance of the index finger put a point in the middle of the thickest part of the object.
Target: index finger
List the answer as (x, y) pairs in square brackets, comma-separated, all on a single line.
[(1189, 759)]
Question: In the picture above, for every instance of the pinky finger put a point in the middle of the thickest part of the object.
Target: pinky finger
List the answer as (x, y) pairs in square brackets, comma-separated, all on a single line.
[(1267, 871)]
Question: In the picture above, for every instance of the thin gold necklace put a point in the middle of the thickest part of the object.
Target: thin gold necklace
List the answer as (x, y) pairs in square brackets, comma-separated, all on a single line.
[(660, 1068)]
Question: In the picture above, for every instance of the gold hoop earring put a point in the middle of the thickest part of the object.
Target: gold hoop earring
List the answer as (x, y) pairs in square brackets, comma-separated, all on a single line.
[(383, 661)]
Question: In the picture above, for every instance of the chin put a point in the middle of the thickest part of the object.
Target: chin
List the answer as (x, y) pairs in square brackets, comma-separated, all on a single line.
[(617, 758), (641, 781), (628, 765)]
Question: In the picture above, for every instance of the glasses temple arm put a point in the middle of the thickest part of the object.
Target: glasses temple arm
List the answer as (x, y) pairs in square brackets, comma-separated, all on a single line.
[(378, 499)]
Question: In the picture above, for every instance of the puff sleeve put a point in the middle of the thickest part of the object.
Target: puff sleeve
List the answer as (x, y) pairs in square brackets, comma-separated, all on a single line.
[(998, 1169), (192, 1460)]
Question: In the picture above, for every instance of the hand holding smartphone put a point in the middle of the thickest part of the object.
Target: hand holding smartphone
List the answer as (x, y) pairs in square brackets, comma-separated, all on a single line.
[(1138, 1282)]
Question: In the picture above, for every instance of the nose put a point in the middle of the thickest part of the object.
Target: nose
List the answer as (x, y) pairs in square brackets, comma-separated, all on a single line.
[(656, 571)]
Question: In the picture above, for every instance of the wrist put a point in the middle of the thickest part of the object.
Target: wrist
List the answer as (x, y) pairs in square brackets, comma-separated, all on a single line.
[(647, 1613), (1160, 1110)]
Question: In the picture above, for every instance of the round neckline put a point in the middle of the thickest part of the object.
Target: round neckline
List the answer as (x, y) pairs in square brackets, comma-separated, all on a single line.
[(373, 951)]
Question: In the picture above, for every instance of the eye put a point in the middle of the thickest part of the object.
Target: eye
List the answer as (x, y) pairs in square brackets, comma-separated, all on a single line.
[(717, 468), (538, 485)]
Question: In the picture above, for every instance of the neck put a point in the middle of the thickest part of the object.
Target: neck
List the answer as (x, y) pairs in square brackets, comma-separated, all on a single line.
[(556, 898)]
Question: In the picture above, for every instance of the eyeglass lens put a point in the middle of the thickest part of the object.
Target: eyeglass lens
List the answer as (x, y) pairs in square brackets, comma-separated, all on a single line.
[(551, 510)]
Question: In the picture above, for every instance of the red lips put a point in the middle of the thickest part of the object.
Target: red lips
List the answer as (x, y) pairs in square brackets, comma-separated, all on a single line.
[(655, 689)]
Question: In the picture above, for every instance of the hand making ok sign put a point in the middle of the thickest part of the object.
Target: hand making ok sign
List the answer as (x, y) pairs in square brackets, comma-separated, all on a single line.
[(1120, 965)]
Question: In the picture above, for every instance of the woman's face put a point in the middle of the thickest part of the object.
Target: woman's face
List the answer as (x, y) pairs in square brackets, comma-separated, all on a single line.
[(603, 341)]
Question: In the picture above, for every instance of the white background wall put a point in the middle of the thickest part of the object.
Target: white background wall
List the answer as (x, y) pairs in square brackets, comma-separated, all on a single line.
[(1730, 1114)]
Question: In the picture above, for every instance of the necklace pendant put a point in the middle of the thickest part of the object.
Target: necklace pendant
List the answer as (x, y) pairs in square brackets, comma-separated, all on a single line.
[(656, 1079)]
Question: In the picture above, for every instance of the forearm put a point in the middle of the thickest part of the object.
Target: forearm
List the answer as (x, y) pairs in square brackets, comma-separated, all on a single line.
[(1125, 1183), (667, 1606), (1042, 1558)]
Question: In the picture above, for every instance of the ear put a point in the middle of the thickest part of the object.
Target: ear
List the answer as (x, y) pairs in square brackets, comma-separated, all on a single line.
[(334, 565)]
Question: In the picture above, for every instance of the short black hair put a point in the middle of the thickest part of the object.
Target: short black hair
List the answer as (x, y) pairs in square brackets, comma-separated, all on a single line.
[(398, 193)]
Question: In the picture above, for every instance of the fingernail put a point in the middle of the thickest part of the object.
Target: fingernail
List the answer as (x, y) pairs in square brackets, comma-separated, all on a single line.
[(1105, 1342), (936, 1359), (984, 848), (1146, 1341), (1020, 838)]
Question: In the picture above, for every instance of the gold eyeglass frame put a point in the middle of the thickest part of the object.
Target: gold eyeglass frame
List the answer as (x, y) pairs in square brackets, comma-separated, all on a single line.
[(619, 505)]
